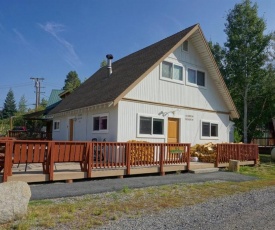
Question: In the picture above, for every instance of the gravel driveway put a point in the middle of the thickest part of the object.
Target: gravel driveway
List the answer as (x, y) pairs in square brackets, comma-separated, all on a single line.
[(252, 210)]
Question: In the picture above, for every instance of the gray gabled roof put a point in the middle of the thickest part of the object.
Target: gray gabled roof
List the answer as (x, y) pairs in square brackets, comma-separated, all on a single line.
[(100, 88), (130, 70)]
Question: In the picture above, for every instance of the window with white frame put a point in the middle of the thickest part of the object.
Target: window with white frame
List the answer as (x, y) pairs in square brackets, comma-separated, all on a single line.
[(149, 125), (100, 122), (172, 71), (56, 125), (209, 129), (196, 77)]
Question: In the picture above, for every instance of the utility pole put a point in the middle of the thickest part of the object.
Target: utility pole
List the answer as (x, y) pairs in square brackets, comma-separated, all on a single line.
[(37, 90)]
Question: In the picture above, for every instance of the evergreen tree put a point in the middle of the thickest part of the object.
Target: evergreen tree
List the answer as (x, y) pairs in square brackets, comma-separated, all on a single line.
[(103, 63), (9, 108), (22, 105), (72, 81)]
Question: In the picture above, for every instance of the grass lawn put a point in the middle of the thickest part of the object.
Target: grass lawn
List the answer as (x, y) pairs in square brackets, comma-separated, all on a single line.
[(95, 210)]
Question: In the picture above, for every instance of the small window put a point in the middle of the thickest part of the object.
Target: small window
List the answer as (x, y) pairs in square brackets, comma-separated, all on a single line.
[(56, 125), (151, 125), (172, 71), (209, 129), (185, 46), (100, 123), (200, 78), (192, 76), (196, 77), (167, 69)]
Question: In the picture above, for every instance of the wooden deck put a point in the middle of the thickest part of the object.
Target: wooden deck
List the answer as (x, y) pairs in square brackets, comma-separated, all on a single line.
[(41, 161)]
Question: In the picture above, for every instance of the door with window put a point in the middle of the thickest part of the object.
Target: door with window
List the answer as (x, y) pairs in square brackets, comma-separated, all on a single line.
[(71, 129), (173, 130)]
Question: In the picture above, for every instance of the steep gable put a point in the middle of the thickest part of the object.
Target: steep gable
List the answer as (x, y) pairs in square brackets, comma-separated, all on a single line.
[(100, 88), (130, 70)]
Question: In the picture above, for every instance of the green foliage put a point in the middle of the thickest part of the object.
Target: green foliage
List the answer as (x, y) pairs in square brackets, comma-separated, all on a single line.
[(237, 137), (103, 63), (9, 108), (22, 105), (72, 81), (244, 62)]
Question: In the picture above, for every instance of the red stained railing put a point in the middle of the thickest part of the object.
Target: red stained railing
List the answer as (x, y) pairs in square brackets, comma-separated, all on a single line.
[(91, 155), (241, 152)]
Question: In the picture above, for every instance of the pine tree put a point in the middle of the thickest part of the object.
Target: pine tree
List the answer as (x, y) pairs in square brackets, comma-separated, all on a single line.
[(72, 81), (22, 105), (9, 108)]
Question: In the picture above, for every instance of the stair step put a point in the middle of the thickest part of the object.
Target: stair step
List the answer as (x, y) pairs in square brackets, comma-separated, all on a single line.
[(206, 170)]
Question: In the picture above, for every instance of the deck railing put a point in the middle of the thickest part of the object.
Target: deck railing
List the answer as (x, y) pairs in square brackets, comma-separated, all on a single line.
[(241, 152), (92, 155)]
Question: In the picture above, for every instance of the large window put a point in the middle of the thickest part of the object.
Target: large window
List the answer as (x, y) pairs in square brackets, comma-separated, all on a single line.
[(151, 125), (100, 123), (196, 77), (172, 71), (209, 129)]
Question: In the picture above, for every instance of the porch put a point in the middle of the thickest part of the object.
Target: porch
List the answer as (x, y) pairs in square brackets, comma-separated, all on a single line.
[(41, 161)]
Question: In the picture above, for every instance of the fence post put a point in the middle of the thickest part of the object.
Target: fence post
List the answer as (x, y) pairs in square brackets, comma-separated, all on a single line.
[(128, 158)]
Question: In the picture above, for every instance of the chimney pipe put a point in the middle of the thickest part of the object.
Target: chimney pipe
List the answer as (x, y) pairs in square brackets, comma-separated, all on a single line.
[(109, 63)]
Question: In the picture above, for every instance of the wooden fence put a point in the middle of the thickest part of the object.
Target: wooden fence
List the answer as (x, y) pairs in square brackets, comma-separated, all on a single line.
[(28, 135), (241, 152), (264, 142), (92, 155)]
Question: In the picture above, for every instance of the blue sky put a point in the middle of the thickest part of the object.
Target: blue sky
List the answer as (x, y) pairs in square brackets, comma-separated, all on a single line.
[(48, 39)]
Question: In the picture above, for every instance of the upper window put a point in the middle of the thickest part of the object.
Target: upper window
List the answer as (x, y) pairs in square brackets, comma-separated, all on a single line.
[(56, 125), (100, 123), (151, 125), (196, 77), (172, 71), (185, 46), (209, 129)]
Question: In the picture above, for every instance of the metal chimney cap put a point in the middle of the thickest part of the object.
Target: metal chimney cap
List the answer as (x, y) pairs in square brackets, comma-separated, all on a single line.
[(109, 56)]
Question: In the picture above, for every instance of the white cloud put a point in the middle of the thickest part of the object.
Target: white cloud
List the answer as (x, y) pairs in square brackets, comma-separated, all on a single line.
[(20, 37), (54, 29)]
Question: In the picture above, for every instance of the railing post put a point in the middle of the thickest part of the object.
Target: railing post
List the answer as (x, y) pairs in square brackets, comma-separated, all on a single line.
[(128, 158), (51, 156), (188, 157), (217, 156), (90, 147), (161, 160), (8, 160)]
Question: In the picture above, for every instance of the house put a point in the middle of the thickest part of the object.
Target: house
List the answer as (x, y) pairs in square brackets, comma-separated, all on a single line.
[(170, 91), (54, 99)]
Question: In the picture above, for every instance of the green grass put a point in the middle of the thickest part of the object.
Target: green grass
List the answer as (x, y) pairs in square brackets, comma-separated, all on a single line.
[(91, 211)]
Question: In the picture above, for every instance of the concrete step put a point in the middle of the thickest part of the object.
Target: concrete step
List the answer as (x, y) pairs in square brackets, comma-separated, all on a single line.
[(205, 170)]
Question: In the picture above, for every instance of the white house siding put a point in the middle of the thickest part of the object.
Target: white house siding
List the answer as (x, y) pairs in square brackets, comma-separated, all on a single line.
[(190, 122), (83, 125), (153, 88)]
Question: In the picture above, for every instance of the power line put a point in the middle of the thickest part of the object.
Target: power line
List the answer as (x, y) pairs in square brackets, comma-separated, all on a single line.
[(37, 86)]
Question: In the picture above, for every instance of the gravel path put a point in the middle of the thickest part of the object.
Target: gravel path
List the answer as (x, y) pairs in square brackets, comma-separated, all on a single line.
[(252, 210)]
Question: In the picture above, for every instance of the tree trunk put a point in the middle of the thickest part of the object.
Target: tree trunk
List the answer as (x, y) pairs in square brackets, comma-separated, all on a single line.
[(245, 116)]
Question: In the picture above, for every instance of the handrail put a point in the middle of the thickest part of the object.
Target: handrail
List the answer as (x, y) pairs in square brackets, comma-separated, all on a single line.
[(241, 152)]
